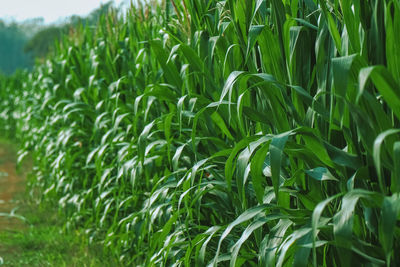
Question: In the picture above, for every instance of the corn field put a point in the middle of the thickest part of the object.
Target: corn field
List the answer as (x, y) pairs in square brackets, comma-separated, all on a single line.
[(222, 133)]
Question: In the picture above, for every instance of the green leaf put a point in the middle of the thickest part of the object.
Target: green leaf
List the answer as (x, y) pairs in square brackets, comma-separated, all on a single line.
[(343, 221), (395, 187), (245, 216), (385, 84), (217, 119), (245, 235), (257, 165), (276, 155), (321, 174), (377, 155), (388, 219), (315, 223), (229, 166)]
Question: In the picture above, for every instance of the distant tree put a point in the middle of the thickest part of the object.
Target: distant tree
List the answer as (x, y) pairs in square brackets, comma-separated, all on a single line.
[(31, 26), (39, 45), (12, 42), (21, 43), (42, 42), (95, 15)]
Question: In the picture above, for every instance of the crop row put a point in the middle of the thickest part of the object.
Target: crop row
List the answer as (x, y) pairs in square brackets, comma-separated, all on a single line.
[(254, 133)]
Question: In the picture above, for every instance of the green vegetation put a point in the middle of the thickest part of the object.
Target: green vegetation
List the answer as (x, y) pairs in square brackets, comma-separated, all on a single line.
[(42, 41), (41, 243), (12, 42), (254, 133), (21, 43), (32, 235)]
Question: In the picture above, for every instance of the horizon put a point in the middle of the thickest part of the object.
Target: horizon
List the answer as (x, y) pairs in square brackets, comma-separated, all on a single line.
[(54, 11)]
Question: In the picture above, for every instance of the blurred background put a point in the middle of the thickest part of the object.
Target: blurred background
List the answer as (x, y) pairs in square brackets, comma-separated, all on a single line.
[(29, 28)]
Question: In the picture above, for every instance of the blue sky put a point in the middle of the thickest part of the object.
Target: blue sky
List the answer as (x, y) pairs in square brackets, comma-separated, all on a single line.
[(50, 10)]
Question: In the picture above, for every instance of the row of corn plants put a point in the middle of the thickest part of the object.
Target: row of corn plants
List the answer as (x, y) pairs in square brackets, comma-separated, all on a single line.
[(215, 133)]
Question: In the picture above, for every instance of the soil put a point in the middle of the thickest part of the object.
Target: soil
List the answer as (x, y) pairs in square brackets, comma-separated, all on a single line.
[(39, 242), (12, 185)]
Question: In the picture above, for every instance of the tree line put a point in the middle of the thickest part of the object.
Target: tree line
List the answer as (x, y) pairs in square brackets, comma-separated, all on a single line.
[(21, 43)]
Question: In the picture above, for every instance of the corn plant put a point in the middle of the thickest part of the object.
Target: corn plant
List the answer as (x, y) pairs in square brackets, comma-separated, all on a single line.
[(214, 133)]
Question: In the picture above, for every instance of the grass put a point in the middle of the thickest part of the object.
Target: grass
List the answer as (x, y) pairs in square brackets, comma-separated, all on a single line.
[(38, 237), (218, 133), (44, 243)]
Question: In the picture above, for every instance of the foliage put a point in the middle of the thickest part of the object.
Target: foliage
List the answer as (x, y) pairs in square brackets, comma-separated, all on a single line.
[(22, 43), (42, 41), (12, 41), (43, 244), (256, 133)]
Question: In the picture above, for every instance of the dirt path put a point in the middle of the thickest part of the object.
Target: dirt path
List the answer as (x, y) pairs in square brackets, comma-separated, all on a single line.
[(41, 242), (11, 185)]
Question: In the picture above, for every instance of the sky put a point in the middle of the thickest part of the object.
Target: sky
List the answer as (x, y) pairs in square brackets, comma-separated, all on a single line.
[(51, 10)]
